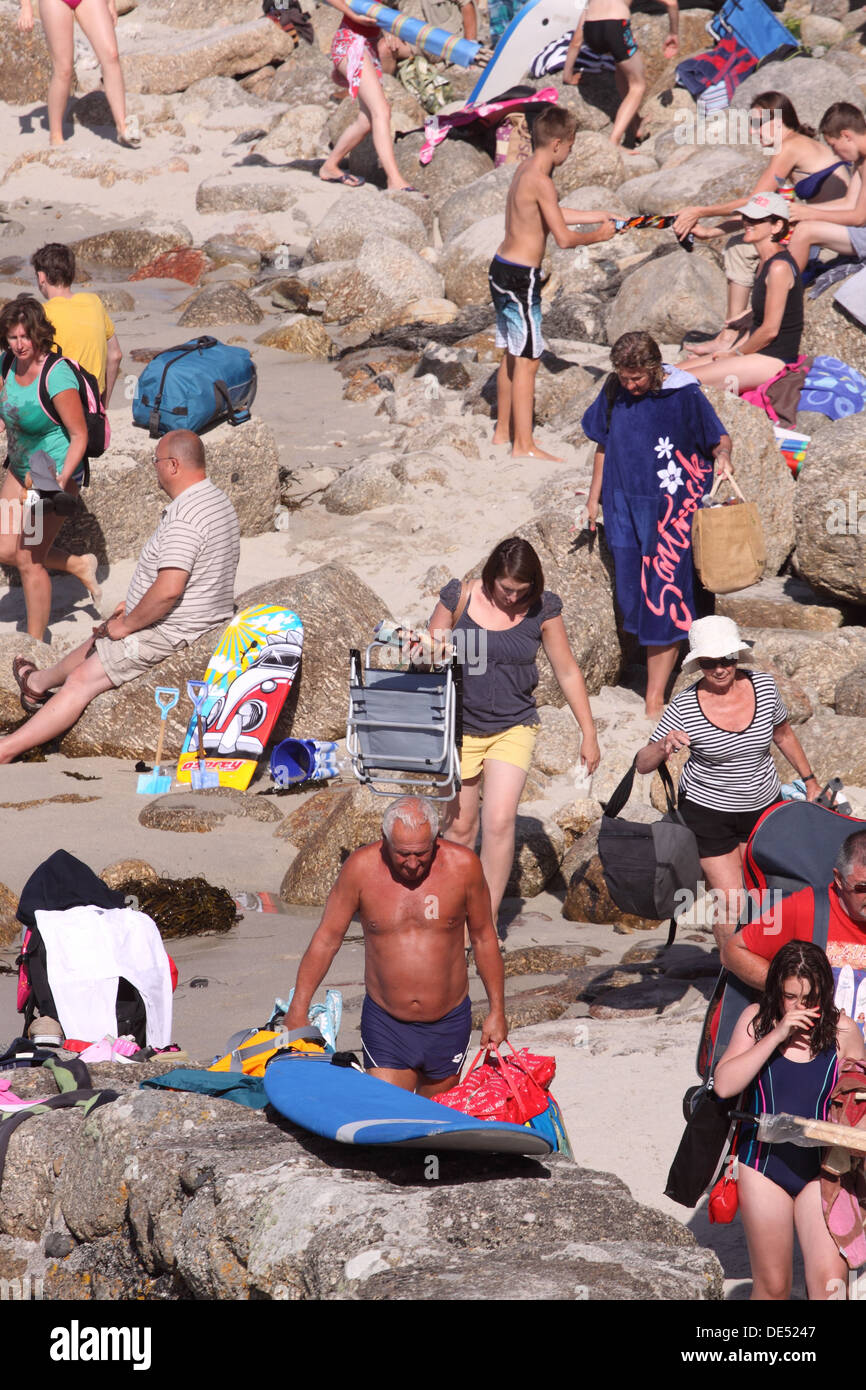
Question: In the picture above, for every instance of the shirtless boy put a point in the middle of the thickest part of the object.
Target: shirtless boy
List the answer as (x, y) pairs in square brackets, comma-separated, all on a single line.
[(532, 212), (840, 225), (605, 27), (413, 893)]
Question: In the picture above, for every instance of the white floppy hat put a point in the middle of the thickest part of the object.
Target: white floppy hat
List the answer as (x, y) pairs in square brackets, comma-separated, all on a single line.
[(715, 637)]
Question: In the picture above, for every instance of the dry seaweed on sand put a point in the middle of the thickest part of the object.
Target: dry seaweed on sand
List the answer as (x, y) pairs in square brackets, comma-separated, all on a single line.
[(183, 906)]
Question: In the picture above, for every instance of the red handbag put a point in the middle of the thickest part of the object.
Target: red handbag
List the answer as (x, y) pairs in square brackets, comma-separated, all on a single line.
[(503, 1089), (724, 1198)]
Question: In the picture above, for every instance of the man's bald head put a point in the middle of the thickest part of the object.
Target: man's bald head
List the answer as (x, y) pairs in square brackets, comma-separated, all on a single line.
[(186, 447)]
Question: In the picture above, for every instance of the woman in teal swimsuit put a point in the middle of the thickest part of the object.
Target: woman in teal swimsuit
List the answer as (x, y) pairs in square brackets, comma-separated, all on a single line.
[(27, 534), (784, 1056)]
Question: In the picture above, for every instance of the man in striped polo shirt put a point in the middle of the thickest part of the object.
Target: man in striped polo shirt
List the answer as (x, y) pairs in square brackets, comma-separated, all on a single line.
[(183, 584)]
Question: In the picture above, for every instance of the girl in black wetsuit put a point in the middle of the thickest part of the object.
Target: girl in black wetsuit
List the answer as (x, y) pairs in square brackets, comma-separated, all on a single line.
[(785, 1056), (777, 305)]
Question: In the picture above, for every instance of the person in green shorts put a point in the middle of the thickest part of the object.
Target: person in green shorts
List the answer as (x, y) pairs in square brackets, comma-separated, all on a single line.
[(27, 535)]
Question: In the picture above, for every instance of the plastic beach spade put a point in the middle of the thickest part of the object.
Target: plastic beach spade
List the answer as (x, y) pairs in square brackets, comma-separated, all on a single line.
[(166, 697), (200, 777)]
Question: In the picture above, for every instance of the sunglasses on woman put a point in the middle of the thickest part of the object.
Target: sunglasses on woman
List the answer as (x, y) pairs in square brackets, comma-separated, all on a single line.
[(710, 663)]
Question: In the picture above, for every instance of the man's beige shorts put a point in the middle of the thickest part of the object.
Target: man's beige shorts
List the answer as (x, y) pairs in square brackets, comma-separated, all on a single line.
[(741, 261), (132, 656)]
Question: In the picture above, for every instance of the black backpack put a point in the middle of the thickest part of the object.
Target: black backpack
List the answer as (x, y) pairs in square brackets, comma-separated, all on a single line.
[(650, 870), (91, 403)]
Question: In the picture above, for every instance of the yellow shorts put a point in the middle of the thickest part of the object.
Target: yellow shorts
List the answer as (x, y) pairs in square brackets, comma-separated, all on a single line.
[(511, 746)]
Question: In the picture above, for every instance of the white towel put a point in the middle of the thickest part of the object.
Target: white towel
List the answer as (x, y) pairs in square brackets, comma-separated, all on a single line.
[(88, 949)]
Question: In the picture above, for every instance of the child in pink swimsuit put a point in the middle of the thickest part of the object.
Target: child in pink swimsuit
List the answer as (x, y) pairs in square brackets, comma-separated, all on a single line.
[(351, 42), (354, 53)]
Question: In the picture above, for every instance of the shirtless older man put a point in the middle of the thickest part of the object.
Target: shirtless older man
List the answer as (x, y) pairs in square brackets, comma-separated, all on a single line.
[(413, 893)]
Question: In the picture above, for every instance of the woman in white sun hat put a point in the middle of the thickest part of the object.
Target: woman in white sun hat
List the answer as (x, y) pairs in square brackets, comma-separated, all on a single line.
[(728, 720)]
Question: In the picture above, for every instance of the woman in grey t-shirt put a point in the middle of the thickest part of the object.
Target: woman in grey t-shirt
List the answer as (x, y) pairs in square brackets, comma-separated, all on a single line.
[(501, 621)]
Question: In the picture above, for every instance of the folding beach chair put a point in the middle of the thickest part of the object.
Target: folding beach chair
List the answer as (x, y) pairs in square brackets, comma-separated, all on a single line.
[(404, 728)]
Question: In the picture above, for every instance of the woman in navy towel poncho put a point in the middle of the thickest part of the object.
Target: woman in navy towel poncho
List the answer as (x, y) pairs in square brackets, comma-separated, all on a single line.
[(657, 437)]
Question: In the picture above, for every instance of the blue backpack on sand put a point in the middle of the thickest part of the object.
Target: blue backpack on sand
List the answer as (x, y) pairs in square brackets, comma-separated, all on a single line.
[(195, 386)]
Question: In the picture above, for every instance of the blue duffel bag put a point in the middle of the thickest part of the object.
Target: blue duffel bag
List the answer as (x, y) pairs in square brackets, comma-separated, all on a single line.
[(195, 386)]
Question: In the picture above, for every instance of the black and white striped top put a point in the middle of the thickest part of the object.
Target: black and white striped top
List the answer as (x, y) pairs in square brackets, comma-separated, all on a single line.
[(198, 533), (728, 771)]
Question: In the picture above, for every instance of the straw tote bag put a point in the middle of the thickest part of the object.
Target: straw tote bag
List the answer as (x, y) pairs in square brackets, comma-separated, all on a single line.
[(728, 544)]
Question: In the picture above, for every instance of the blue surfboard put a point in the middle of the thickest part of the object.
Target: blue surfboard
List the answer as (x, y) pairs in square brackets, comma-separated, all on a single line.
[(353, 1108)]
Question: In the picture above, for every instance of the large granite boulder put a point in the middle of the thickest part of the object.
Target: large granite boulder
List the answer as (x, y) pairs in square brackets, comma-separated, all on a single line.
[(25, 63), (206, 14), (851, 693), (131, 246), (576, 317), (219, 304), (811, 84), (220, 103), (348, 222), (247, 190), (465, 259), (830, 332), (164, 1195), (693, 298), (299, 134), (830, 511), (123, 504), (326, 829), (539, 847), (780, 602), (593, 160), (558, 385), (835, 746), (815, 660), (157, 66), (582, 576), (588, 114), (338, 611), (455, 164), (709, 175), (370, 483), (372, 291), (304, 79), (483, 198)]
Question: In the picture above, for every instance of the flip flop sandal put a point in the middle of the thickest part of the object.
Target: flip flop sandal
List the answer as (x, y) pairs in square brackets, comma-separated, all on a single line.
[(350, 180), (31, 700), (408, 189)]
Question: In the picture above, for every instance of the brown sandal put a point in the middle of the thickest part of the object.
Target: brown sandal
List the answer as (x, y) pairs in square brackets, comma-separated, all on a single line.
[(31, 700)]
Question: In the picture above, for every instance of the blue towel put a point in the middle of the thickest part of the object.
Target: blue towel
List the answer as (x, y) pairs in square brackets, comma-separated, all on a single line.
[(657, 466), (833, 388), (246, 1090)]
